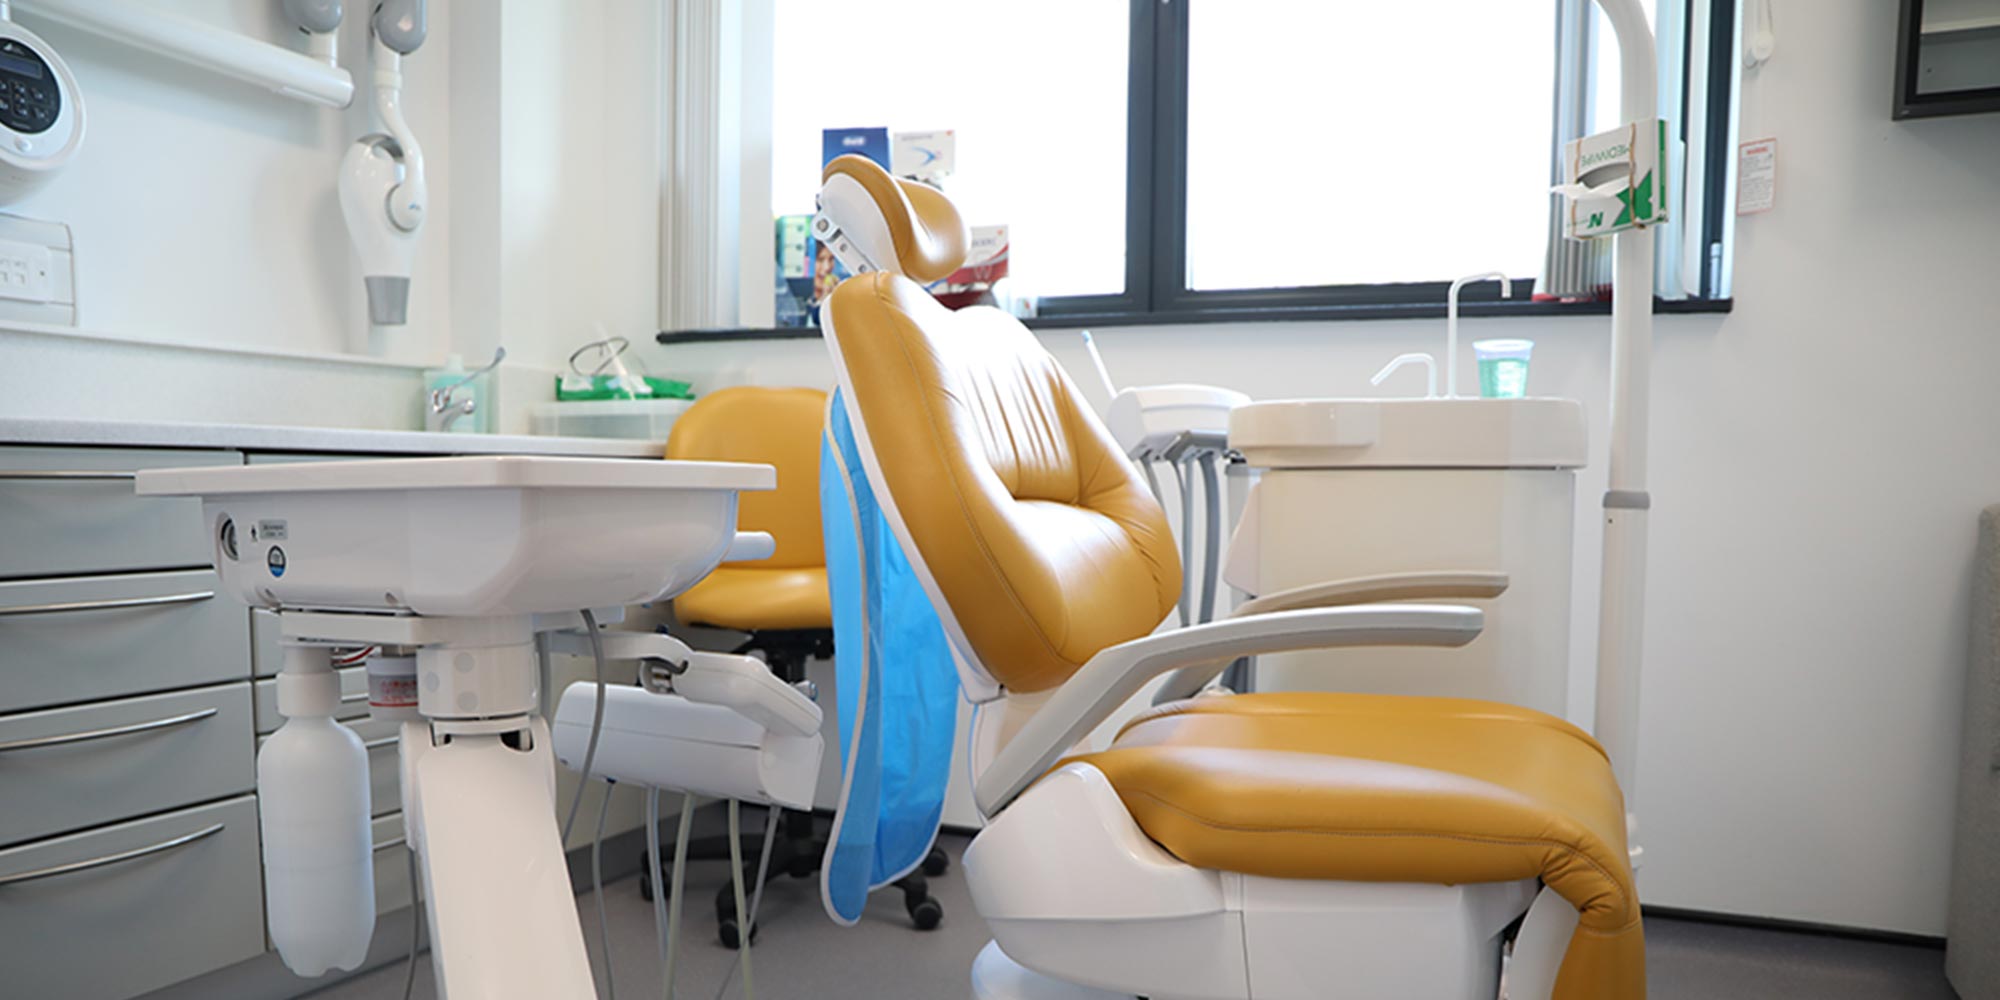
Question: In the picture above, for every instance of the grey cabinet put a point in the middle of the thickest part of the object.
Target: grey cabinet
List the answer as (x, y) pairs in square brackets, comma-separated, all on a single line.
[(75, 639), (68, 768), (119, 910), (68, 511)]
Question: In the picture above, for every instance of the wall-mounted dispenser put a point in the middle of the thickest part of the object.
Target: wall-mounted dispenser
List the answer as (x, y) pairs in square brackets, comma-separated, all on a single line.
[(41, 111)]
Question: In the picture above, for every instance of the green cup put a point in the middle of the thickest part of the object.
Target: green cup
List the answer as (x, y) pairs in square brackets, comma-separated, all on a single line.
[(1503, 367)]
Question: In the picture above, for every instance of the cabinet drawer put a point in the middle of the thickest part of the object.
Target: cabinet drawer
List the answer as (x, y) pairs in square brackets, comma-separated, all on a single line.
[(68, 768), (392, 864), (353, 699), (72, 510), (385, 781), (121, 910), (106, 636)]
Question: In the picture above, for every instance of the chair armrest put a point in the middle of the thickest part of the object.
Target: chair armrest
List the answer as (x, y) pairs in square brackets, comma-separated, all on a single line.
[(1384, 589), (1200, 652)]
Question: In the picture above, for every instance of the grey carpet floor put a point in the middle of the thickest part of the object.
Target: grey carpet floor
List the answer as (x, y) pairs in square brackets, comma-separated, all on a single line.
[(801, 955)]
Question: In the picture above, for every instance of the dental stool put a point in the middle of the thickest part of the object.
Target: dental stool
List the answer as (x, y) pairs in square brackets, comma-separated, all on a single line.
[(780, 602), (1223, 847)]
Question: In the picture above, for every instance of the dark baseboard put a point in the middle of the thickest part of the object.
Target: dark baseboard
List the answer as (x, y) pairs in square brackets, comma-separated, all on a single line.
[(1797, 927)]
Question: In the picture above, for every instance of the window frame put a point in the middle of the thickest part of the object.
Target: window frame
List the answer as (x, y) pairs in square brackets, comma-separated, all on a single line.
[(1156, 287)]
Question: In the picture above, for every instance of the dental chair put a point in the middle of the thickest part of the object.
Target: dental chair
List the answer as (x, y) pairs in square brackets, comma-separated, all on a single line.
[(1224, 847), (780, 603)]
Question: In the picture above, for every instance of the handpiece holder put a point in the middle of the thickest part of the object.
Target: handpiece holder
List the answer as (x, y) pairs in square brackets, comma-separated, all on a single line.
[(743, 684)]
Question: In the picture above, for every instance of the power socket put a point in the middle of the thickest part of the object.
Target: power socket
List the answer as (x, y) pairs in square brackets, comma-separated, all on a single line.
[(24, 272), (37, 271)]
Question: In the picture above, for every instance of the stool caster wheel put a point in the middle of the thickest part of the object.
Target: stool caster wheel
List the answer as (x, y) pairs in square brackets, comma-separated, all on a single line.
[(726, 924), (646, 880), (937, 862), (732, 935), (926, 914)]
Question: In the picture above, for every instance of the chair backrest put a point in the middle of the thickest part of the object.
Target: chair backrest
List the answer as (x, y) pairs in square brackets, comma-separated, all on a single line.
[(1033, 531), (776, 426)]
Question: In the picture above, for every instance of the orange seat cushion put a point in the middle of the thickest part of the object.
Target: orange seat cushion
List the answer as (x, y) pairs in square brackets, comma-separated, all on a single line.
[(744, 597), (1384, 788)]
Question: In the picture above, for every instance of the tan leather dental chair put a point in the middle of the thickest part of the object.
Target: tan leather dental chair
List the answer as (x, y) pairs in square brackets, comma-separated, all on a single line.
[(1277, 846)]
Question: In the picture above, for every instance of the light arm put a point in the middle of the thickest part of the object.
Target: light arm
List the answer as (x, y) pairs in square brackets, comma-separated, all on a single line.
[(1116, 674)]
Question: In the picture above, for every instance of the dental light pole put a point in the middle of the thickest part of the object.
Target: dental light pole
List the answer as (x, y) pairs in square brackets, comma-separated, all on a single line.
[(1622, 593)]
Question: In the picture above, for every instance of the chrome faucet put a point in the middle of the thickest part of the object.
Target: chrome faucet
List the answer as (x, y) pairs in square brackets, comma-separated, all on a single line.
[(444, 411)]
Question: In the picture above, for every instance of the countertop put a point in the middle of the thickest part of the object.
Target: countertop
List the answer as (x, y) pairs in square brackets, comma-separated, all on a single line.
[(254, 437)]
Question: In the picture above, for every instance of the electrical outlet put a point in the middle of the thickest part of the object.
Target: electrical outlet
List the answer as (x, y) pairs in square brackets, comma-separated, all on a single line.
[(37, 271), (24, 272)]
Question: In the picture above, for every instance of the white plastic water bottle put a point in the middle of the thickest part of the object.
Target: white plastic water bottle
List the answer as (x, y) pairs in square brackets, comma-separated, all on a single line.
[(312, 802)]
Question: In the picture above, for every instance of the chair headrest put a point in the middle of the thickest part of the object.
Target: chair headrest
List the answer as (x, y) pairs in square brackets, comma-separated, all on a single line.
[(901, 226)]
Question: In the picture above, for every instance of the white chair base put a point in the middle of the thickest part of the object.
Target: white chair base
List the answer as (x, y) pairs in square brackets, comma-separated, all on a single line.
[(1086, 907)]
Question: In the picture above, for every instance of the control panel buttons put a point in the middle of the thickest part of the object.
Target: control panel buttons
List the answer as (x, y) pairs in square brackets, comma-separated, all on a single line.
[(30, 101)]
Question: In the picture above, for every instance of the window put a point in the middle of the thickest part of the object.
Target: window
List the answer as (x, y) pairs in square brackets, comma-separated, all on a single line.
[(1343, 144), (1036, 92), (1185, 160)]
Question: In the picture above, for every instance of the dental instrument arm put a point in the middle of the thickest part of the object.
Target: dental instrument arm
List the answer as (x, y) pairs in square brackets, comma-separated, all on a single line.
[(740, 683), (398, 28), (1211, 538), (1451, 324), (1199, 653)]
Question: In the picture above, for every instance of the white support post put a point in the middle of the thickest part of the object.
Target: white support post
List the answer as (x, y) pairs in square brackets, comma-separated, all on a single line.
[(1621, 617)]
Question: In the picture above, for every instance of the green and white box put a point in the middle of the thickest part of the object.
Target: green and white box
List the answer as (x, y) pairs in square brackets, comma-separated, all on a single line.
[(1615, 180)]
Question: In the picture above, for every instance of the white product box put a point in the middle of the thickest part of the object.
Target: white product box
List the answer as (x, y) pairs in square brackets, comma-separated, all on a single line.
[(1615, 180)]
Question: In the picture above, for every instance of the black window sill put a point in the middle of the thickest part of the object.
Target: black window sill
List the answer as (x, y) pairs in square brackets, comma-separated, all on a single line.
[(1290, 314)]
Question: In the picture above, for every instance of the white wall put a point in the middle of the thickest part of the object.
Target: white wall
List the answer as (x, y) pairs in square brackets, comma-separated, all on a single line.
[(205, 216), (1819, 457)]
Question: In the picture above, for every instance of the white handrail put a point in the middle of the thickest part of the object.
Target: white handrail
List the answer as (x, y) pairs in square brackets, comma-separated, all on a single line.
[(273, 67)]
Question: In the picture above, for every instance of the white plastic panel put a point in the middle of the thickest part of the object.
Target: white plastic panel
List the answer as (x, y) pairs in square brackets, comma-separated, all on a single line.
[(1529, 433), (1315, 525)]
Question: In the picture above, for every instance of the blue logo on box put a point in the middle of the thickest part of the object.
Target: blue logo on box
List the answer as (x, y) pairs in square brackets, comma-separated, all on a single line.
[(276, 561), (872, 143)]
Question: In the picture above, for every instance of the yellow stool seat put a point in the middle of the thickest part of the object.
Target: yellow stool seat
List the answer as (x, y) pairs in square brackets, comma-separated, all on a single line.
[(1384, 788), (750, 598)]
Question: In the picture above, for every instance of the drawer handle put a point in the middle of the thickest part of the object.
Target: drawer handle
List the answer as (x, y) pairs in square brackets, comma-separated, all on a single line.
[(354, 699), (380, 742), (190, 597), (390, 843), (98, 734), (111, 859), (70, 475)]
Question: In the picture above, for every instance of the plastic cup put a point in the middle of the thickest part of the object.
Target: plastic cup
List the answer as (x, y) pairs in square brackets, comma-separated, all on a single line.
[(1503, 367)]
